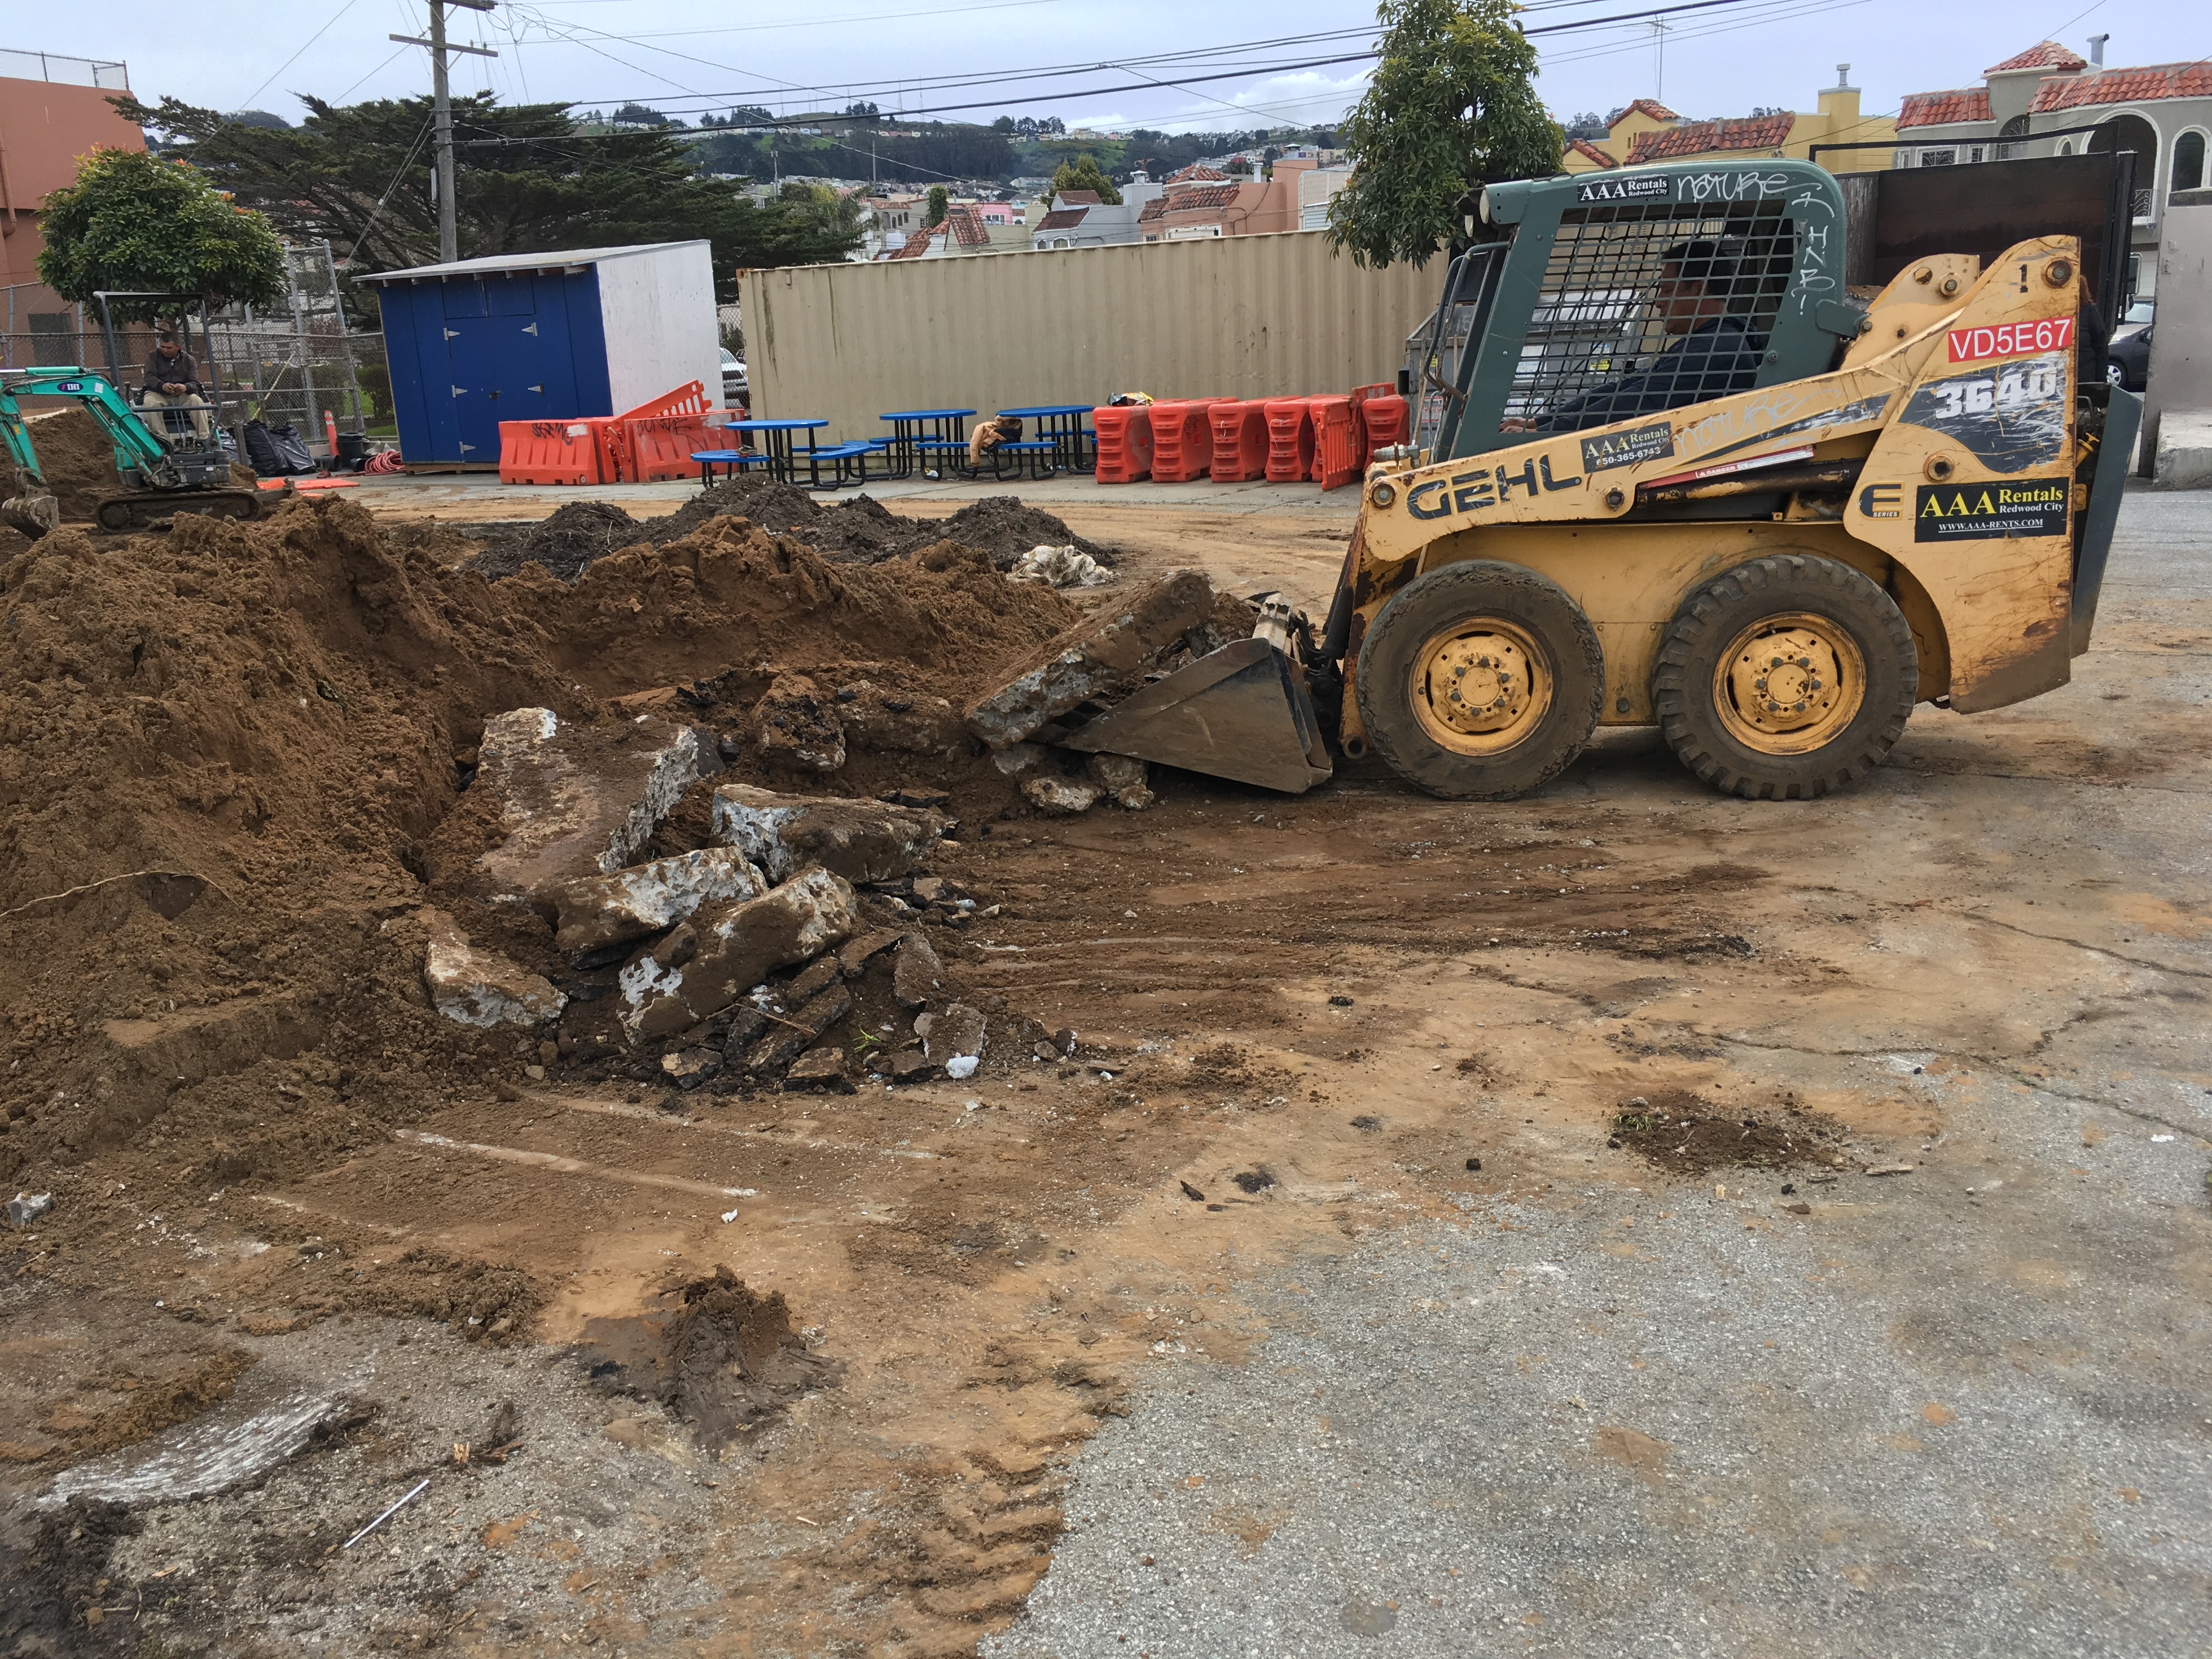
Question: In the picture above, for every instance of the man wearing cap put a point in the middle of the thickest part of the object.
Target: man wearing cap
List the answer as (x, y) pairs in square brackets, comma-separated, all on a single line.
[(1700, 299), (173, 381)]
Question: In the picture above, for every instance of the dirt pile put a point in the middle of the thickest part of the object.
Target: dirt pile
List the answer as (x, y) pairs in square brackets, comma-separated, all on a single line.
[(1684, 1135), (565, 545), (78, 459), (858, 531), (228, 753)]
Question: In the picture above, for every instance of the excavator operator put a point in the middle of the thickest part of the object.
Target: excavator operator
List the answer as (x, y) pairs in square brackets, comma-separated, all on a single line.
[(173, 381), (1699, 300)]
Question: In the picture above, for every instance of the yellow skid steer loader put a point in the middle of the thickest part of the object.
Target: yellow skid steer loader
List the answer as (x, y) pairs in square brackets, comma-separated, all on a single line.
[(1667, 469)]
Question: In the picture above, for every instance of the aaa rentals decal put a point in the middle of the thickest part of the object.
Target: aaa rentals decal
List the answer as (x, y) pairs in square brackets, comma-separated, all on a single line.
[(1982, 512), (1974, 345)]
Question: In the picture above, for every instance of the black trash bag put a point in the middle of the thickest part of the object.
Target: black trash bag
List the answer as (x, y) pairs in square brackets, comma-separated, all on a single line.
[(277, 451)]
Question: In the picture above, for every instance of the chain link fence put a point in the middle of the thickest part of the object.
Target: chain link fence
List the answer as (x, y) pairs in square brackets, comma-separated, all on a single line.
[(292, 366)]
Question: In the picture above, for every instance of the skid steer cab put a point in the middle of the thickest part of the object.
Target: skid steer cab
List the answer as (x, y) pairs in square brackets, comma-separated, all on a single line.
[(1669, 471)]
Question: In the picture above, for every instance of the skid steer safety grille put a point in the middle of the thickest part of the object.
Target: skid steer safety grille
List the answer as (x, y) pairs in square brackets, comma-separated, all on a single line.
[(1649, 307)]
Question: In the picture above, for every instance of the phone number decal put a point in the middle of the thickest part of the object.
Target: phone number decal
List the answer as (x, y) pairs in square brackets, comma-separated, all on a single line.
[(1972, 345)]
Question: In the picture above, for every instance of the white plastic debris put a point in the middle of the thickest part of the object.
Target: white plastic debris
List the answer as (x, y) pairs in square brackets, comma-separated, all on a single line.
[(26, 1207), (961, 1065), (1060, 566)]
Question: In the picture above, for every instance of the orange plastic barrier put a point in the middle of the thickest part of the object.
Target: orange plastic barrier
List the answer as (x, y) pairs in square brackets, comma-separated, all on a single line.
[(1125, 443), (1337, 457), (1182, 440), (654, 447), (551, 453), (1386, 420), (635, 445), (1290, 438), (1240, 440)]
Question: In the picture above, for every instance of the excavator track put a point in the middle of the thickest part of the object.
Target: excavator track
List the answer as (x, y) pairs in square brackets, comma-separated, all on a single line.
[(146, 509)]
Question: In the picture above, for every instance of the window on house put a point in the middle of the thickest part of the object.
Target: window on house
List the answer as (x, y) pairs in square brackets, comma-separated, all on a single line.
[(1939, 158), (2066, 147), (2189, 161), (1975, 154)]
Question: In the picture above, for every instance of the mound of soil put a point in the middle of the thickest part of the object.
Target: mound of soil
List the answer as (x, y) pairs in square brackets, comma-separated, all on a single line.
[(858, 531), (1684, 1135), (78, 459), (226, 751), (565, 545)]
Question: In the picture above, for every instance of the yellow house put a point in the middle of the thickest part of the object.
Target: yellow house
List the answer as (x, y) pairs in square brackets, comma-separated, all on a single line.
[(1649, 132)]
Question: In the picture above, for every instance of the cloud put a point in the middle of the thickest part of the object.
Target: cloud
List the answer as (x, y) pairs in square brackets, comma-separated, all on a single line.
[(1303, 99)]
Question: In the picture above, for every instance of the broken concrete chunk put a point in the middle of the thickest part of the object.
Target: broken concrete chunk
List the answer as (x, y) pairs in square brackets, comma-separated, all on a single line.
[(1091, 658), (884, 722), (1060, 798), (690, 1067), (1123, 777), (854, 954), (790, 1035), (1017, 758), (819, 1068), (575, 800), (25, 1209), (481, 987), (918, 975), (598, 911), (818, 976), (858, 840), (795, 722), (704, 964), (912, 1065), (955, 1036)]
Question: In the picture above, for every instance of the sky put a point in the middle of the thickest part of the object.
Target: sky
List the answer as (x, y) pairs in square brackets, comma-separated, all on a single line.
[(687, 55)]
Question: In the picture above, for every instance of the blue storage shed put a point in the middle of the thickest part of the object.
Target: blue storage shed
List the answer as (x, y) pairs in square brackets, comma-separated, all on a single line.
[(550, 337)]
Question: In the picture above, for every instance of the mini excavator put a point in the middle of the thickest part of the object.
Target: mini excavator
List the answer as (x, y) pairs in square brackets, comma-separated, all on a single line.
[(185, 474), (1667, 469)]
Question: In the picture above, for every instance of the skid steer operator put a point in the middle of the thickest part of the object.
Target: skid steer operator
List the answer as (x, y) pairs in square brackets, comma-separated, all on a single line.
[(1700, 298), (173, 381)]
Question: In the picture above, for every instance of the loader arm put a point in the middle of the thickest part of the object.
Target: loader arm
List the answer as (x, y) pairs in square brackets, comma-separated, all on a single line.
[(137, 449)]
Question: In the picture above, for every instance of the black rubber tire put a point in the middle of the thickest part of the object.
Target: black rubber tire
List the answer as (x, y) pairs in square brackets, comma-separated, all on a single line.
[(1480, 587), (1713, 616)]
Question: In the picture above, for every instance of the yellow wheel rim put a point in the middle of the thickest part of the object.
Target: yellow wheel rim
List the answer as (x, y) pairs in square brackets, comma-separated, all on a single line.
[(1790, 684), (1481, 686)]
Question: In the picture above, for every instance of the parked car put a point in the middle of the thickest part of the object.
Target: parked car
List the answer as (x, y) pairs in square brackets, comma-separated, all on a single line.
[(2127, 363), (734, 389), (2135, 319)]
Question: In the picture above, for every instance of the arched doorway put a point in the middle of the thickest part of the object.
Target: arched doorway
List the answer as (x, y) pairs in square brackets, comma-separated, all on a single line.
[(2132, 132)]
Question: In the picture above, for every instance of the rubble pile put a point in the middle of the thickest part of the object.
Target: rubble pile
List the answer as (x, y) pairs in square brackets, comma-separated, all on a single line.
[(284, 806)]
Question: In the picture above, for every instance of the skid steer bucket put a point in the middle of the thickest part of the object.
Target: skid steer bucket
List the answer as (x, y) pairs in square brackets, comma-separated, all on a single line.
[(1241, 712)]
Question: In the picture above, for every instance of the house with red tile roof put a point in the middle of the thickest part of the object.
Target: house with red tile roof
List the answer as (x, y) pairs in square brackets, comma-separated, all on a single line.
[(2050, 100), (1646, 131)]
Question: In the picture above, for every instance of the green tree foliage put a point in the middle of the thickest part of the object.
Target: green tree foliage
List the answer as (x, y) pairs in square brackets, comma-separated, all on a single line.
[(899, 154), (527, 182), (154, 224), (1084, 174), (939, 204), (1452, 105)]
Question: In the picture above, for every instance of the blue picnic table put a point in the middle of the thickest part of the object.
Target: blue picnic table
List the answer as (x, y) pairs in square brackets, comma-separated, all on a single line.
[(1062, 425), (919, 435)]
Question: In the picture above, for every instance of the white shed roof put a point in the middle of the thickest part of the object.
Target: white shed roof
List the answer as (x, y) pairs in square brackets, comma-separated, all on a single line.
[(559, 259)]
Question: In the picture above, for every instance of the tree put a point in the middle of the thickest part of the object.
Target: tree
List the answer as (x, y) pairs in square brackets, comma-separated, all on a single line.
[(939, 204), (1589, 125), (864, 112), (152, 224), (526, 181), (638, 115), (1452, 105), (1084, 173)]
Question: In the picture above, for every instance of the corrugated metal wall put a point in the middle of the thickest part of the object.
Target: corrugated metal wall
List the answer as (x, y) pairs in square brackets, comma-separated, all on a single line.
[(1234, 317)]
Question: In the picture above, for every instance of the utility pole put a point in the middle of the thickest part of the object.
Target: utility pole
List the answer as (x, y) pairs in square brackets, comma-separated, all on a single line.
[(441, 107)]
